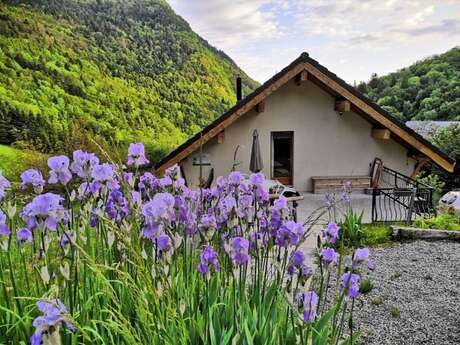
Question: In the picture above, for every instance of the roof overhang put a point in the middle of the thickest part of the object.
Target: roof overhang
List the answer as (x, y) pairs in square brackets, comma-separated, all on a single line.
[(332, 84)]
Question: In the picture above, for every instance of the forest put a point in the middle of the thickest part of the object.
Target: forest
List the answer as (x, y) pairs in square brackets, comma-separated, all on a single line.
[(73, 71), (427, 90)]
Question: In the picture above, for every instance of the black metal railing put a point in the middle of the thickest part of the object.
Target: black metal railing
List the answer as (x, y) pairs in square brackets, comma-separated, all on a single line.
[(399, 198)]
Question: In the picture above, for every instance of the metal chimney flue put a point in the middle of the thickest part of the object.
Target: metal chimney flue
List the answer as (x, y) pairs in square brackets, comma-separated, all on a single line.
[(239, 89)]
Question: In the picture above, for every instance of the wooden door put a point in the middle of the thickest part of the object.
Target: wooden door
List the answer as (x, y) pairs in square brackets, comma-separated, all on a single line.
[(282, 157)]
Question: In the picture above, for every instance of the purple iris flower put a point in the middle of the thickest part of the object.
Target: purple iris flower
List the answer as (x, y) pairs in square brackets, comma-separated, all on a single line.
[(148, 184), (160, 207), (235, 178), (353, 284), (173, 171), (329, 256), (164, 244), (34, 178), (67, 238), (53, 315), (105, 173), (128, 178), (262, 195), (295, 261), (308, 301), (156, 212), (239, 250), (221, 183), (83, 163), (331, 233), (166, 181), (136, 155), (179, 183), (207, 222), (59, 172), (257, 179), (289, 234), (361, 255), (116, 206), (4, 185), (24, 235), (4, 231), (44, 209), (280, 204), (208, 257)]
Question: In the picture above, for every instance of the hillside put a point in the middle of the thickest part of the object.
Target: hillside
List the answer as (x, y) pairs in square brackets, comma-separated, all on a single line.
[(427, 90), (117, 71)]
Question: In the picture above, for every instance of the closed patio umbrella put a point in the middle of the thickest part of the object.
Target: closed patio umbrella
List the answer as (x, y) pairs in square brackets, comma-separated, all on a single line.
[(256, 163)]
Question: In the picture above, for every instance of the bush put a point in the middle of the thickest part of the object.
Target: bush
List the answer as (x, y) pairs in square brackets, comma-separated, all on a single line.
[(443, 221)]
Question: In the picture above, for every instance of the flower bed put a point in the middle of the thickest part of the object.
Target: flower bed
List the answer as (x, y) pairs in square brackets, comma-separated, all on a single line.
[(119, 257)]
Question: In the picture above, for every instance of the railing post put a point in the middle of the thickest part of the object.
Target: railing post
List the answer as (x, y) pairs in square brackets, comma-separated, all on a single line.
[(411, 205), (374, 210)]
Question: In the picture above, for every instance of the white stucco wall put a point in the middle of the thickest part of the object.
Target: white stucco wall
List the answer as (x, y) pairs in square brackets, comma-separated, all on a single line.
[(325, 143)]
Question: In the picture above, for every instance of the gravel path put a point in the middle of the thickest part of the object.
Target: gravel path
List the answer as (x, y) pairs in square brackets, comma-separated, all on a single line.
[(416, 295)]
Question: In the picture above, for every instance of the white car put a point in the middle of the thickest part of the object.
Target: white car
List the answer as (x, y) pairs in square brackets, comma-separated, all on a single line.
[(450, 202)]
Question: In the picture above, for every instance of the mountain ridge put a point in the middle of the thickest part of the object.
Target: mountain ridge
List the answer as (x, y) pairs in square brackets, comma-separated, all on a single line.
[(117, 71), (428, 89)]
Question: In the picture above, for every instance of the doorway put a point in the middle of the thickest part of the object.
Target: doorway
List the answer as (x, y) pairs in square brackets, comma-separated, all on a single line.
[(282, 157)]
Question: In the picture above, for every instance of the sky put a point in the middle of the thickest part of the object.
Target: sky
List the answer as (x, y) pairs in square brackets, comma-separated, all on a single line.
[(352, 38)]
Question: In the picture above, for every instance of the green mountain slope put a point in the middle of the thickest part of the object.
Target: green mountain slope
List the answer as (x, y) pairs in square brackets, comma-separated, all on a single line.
[(117, 71), (426, 90)]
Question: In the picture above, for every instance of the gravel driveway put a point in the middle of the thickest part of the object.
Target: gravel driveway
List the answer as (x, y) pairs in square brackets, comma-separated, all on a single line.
[(416, 295)]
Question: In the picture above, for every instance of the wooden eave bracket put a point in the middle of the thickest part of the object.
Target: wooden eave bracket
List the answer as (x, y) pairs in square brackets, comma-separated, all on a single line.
[(221, 137), (301, 77), (381, 133), (342, 105), (260, 108)]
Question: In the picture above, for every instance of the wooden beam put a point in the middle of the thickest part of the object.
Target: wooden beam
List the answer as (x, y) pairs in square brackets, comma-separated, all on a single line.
[(301, 77), (420, 164), (221, 137), (240, 111), (260, 108), (379, 118), (381, 133), (342, 105)]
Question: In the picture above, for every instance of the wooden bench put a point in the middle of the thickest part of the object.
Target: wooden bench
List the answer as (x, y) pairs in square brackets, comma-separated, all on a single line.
[(323, 184)]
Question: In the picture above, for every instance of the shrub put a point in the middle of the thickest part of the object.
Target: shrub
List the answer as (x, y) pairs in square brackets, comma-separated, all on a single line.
[(443, 221), (118, 258)]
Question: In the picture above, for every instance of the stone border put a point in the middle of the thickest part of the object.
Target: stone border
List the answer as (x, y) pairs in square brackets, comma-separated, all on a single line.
[(404, 232)]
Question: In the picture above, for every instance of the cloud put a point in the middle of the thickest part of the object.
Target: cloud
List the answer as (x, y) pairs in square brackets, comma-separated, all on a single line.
[(351, 37), (230, 23), (447, 26), (372, 23)]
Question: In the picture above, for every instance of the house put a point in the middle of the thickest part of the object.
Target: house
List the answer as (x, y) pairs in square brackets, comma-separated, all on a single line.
[(310, 123), (428, 129)]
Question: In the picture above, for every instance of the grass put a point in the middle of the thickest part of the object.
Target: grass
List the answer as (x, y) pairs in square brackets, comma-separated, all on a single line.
[(376, 234), (394, 311), (443, 221), (13, 161), (9, 163)]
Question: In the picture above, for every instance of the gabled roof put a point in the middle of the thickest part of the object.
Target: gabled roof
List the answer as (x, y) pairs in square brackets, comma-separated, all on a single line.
[(328, 81)]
